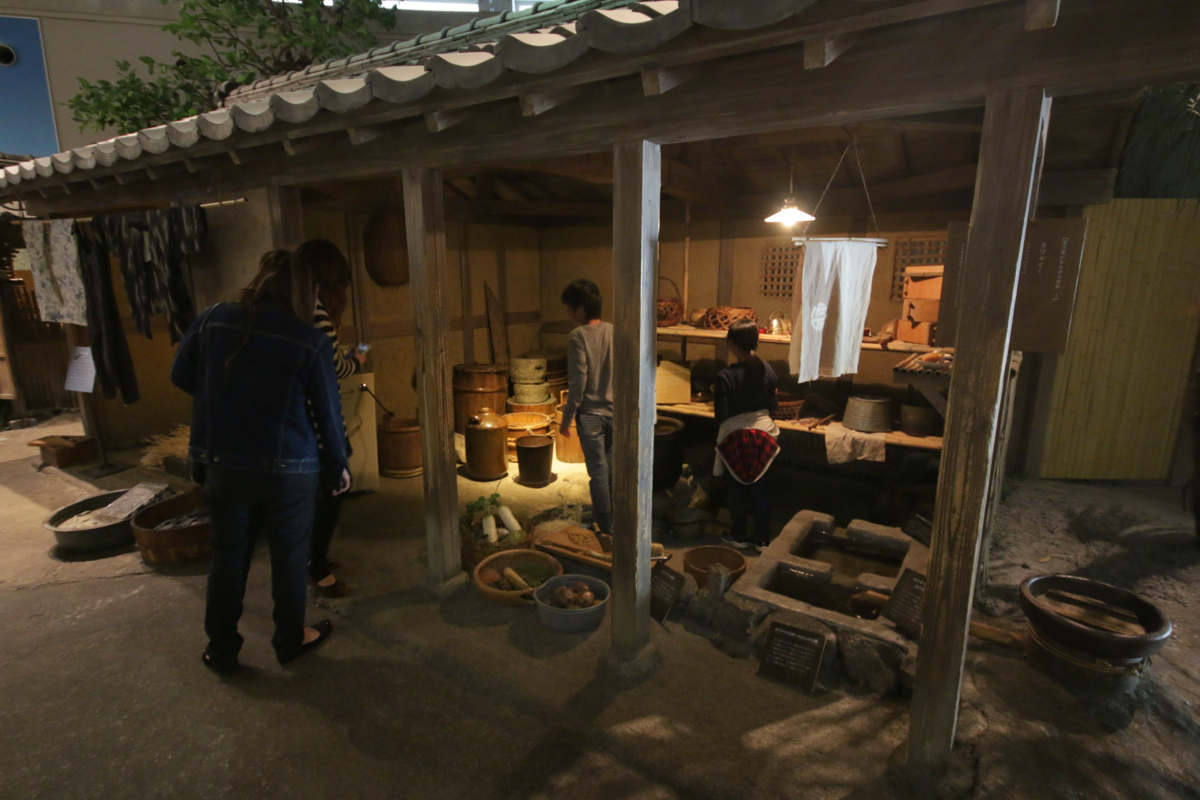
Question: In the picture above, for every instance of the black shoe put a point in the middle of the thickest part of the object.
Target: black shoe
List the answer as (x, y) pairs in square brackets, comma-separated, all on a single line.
[(324, 629), (223, 666)]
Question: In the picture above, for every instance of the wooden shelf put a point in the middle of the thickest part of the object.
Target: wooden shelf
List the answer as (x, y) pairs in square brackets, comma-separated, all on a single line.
[(688, 332), (895, 437)]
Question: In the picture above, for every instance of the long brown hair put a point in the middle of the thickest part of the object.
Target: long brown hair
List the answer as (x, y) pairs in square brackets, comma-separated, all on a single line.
[(283, 279), (329, 268)]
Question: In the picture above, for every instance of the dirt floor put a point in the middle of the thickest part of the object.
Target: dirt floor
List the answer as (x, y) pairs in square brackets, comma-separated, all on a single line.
[(421, 696)]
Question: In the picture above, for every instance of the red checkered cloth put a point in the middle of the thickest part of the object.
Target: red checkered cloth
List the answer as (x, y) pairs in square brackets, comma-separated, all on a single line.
[(748, 453)]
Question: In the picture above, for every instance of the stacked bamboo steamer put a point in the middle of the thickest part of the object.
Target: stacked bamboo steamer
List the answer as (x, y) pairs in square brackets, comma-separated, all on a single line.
[(528, 376)]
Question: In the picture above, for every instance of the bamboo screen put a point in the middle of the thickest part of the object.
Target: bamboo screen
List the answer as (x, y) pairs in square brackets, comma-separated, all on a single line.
[(1119, 389)]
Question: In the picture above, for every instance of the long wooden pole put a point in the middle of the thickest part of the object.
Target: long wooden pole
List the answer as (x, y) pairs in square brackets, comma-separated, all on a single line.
[(425, 220), (1010, 160), (637, 169), (287, 217)]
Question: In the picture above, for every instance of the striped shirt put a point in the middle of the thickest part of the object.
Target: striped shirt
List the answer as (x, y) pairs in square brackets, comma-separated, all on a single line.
[(343, 365)]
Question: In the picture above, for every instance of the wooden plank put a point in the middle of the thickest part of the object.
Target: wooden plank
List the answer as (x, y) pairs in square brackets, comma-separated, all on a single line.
[(636, 198), (468, 302), (497, 329), (822, 51), (1080, 187), (928, 65), (426, 226), (287, 217), (1010, 161)]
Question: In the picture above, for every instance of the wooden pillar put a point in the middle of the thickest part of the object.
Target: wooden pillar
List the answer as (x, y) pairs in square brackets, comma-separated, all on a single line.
[(426, 223), (468, 303), (637, 168), (1010, 159), (287, 217)]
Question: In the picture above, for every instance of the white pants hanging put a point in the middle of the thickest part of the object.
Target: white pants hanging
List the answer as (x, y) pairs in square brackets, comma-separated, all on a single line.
[(818, 308)]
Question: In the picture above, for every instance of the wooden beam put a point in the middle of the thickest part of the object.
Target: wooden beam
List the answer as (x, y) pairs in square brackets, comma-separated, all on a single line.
[(660, 80), (1009, 164), (464, 284), (1041, 14), (636, 192), (535, 103), (287, 217), (540, 208), (822, 51), (1080, 187), (426, 227), (925, 66)]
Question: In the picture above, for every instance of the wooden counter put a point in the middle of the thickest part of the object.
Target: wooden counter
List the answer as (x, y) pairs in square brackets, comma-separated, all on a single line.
[(688, 332), (894, 438)]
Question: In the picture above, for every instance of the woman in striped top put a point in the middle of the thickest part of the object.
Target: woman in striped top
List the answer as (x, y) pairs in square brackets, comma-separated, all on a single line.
[(332, 274)]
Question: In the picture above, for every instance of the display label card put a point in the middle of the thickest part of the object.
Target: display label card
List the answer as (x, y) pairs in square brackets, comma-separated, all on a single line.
[(906, 604), (81, 371), (792, 655), (665, 586)]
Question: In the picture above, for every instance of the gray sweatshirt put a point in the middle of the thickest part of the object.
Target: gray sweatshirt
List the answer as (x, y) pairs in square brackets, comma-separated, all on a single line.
[(589, 371)]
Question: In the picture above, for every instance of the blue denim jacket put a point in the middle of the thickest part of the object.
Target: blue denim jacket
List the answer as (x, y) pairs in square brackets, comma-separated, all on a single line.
[(254, 416)]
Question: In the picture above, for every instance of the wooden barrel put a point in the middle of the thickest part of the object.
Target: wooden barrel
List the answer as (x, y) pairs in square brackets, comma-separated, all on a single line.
[(399, 447), (558, 384), (478, 386), (567, 450), (176, 546), (525, 424)]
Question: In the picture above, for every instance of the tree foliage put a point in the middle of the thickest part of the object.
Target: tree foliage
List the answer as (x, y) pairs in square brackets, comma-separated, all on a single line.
[(236, 40)]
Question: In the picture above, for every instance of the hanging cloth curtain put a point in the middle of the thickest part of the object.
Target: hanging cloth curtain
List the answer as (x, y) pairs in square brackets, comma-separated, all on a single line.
[(55, 265), (110, 350), (152, 247), (832, 297)]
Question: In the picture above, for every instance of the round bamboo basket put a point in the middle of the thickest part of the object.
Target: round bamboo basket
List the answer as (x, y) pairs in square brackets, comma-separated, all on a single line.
[(474, 549), (721, 318), (670, 309), (512, 558)]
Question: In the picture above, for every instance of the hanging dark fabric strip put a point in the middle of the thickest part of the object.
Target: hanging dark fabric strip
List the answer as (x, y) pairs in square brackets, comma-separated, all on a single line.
[(110, 350)]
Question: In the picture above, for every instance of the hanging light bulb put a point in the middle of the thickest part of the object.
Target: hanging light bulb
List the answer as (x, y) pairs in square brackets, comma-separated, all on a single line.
[(790, 214)]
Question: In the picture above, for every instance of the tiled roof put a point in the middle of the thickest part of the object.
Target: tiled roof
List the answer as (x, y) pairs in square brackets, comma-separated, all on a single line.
[(545, 38)]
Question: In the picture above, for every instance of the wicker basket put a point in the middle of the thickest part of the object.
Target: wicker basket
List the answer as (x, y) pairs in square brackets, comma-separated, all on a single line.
[(791, 407), (721, 318), (670, 309), (512, 558)]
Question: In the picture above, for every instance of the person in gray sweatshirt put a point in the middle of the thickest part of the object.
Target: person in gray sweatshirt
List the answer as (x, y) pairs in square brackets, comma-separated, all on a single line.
[(590, 402)]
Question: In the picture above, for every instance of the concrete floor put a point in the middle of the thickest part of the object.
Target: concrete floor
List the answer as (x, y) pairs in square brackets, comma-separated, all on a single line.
[(106, 698)]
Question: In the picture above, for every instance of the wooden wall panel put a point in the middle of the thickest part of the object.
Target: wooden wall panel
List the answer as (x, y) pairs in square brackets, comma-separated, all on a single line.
[(1118, 391)]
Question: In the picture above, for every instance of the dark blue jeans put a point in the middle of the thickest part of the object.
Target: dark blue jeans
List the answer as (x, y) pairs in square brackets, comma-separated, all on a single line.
[(756, 499), (242, 504), (596, 438)]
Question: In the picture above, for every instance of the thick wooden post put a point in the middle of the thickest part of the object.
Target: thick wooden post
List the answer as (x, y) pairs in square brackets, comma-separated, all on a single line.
[(637, 178), (426, 224), (287, 217), (1010, 160)]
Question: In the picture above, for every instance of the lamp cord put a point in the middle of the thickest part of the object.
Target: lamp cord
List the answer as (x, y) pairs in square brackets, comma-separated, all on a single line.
[(829, 183), (862, 176)]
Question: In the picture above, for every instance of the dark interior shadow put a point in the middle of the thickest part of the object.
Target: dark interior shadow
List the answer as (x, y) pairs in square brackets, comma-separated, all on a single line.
[(59, 553), (531, 637)]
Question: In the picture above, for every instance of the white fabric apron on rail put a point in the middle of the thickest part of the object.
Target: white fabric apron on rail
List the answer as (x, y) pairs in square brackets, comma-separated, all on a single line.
[(850, 266)]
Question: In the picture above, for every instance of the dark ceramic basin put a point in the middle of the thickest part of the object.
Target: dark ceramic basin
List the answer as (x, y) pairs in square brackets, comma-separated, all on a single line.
[(90, 540), (1104, 644)]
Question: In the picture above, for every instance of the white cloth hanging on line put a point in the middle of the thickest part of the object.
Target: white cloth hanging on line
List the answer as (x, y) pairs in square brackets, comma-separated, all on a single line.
[(849, 266)]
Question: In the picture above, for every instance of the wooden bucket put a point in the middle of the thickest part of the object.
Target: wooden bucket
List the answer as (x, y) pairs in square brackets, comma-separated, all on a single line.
[(172, 547), (399, 447), (478, 386), (568, 450), (525, 424), (546, 408)]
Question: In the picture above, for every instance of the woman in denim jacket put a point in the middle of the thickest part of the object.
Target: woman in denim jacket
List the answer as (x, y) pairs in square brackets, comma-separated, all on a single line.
[(263, 387)]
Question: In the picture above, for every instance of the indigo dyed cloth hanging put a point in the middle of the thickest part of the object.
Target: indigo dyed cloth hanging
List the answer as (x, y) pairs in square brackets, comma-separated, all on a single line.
[(828, 339), (53, 259), (152, 247), (110, 350)]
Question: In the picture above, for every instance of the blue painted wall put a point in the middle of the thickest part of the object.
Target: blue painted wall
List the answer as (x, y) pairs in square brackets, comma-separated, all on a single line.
[(26, 112)]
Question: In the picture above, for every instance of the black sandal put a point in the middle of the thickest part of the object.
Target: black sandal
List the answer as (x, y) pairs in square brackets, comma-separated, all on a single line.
[(324, 630)]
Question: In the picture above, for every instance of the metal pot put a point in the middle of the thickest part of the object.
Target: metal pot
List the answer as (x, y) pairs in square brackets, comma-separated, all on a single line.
[(487, 446)]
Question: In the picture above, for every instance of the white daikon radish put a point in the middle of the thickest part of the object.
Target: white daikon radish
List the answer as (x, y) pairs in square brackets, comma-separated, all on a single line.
[(489, 529), (510, 521)]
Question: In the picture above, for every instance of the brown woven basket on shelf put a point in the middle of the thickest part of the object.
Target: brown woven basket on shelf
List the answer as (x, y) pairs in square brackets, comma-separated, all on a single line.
[(513, 558), (721, 318), (670, 309), (475, 550), (791, 407)]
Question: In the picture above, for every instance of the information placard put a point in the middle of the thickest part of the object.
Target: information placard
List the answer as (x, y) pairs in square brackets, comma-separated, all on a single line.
[(792, 655), (905, 605), (665, 586), (81, 371)]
